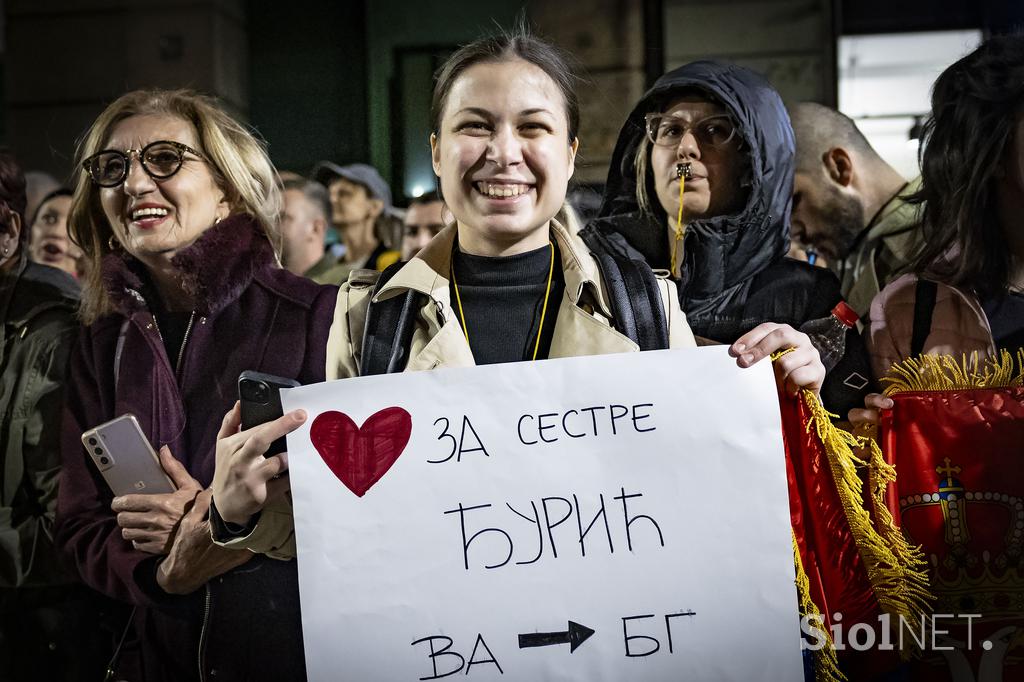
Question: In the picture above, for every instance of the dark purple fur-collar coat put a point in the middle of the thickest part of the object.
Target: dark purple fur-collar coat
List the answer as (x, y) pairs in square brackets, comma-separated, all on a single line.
[(250, 315)]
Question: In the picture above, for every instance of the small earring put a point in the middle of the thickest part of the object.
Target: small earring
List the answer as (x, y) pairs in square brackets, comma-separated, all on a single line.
[(111, 244), (7, 250)]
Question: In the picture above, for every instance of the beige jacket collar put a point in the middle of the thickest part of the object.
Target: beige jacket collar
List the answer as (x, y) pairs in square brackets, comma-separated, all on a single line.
[(582, 327)]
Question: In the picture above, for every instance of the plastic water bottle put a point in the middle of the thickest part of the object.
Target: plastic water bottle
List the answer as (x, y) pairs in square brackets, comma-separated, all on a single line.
[(828, 334)]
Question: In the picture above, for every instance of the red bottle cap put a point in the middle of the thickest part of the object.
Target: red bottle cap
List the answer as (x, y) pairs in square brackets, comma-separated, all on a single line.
[(845, 314)]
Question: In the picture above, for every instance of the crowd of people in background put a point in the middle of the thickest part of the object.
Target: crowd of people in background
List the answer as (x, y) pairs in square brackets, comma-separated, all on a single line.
[(176, 256)]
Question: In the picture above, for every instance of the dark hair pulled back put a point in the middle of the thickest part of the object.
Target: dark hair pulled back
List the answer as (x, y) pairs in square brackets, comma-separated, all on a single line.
[(503, 47)]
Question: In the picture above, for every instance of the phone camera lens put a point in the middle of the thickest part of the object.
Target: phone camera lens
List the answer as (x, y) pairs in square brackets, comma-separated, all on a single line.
[(98, 451), (254, 391), (92, 441), (262, 393), (104, 460)]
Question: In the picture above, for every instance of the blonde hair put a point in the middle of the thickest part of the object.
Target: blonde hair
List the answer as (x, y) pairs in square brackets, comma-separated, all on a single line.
[(640, 162), (237, 160)]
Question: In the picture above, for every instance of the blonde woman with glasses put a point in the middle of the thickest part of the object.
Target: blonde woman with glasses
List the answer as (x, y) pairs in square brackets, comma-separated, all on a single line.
[(175, 207)]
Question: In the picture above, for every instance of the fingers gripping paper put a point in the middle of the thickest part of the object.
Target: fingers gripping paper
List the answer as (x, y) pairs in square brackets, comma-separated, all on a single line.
[(601, 518)]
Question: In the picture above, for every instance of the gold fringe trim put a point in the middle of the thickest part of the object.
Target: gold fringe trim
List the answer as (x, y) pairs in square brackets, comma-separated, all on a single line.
[(826, 665), (896, 571), (881, 475), (944, 373)]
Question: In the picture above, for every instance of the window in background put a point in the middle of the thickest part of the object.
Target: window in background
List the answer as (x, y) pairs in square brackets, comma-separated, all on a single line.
[(885, 86), (412, 173)]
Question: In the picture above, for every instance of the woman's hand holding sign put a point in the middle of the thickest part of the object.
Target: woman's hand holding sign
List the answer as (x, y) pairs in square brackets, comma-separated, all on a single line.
[(244, 479), (798, 369)]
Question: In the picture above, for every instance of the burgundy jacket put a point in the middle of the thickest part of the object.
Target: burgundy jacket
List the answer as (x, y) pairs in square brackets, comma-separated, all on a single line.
[(251, 314)]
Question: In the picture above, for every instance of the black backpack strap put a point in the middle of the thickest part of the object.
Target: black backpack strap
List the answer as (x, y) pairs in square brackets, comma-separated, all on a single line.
[(924, 306), (387, 333), (633, 292)]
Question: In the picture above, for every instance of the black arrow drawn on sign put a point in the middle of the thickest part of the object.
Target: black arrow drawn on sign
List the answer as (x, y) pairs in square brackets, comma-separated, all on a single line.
[(575, 636)]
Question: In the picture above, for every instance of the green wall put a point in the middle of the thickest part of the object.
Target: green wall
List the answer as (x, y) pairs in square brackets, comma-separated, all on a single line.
[(395, 24)]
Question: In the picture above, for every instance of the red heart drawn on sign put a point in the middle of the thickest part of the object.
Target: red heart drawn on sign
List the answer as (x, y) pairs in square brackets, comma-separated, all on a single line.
[(359, 457)]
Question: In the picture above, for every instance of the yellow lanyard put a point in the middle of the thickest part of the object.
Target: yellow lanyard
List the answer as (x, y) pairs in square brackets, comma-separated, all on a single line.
[(543, 310), (679, 219)]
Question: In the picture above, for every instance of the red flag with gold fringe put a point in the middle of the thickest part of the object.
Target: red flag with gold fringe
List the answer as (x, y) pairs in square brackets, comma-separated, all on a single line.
[(956, 438), (851, 567)]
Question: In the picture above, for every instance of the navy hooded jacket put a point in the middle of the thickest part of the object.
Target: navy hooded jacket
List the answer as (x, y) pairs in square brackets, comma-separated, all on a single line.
[(735, 274)]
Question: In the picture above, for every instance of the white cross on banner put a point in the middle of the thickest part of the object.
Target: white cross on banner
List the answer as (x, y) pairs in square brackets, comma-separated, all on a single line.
[(621, 517)]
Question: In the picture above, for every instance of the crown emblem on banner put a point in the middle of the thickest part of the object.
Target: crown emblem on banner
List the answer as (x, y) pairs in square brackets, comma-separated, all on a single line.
[(968, 578)]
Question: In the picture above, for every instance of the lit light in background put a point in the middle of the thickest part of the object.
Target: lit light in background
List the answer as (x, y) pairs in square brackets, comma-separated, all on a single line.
[(419, 181)]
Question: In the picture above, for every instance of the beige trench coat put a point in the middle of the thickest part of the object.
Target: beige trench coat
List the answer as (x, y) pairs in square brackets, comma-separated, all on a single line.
[(583, 326)]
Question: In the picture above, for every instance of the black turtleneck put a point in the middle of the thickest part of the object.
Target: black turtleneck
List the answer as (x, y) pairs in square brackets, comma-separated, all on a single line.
[(502, 299)]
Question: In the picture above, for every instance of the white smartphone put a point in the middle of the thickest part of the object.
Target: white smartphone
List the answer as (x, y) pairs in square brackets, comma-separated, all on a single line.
[(123, 455)]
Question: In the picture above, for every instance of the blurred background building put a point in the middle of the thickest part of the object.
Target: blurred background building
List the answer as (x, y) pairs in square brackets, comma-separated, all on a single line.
[(350, 80)]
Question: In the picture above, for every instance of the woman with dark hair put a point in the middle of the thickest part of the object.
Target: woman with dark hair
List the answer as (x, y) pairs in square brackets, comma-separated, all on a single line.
[(49, 242), (49, 623), (700, 185), (506, 281), (176, 208), (963, 296), (966, 292)]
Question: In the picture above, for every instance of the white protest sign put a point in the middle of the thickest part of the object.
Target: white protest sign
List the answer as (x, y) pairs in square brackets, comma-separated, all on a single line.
[(622, 517)]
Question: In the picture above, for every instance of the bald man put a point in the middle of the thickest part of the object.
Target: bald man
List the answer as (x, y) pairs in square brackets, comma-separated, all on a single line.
[(849, 204)]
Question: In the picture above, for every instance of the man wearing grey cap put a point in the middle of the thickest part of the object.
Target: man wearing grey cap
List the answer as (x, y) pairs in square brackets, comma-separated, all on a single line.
[(360, 204)]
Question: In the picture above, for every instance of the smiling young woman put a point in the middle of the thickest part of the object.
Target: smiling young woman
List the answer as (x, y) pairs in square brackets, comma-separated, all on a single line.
[(506, 281), (511, 282), (504, 152)]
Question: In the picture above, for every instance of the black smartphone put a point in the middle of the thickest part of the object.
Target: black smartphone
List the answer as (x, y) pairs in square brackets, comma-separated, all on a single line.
[(261, 402)]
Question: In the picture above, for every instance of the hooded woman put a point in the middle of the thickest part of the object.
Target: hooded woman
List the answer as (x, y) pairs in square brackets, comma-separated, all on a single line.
[(722, 132)]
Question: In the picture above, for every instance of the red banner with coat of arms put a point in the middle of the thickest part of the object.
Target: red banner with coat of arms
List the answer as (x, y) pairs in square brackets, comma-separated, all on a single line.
[(955, 437)]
